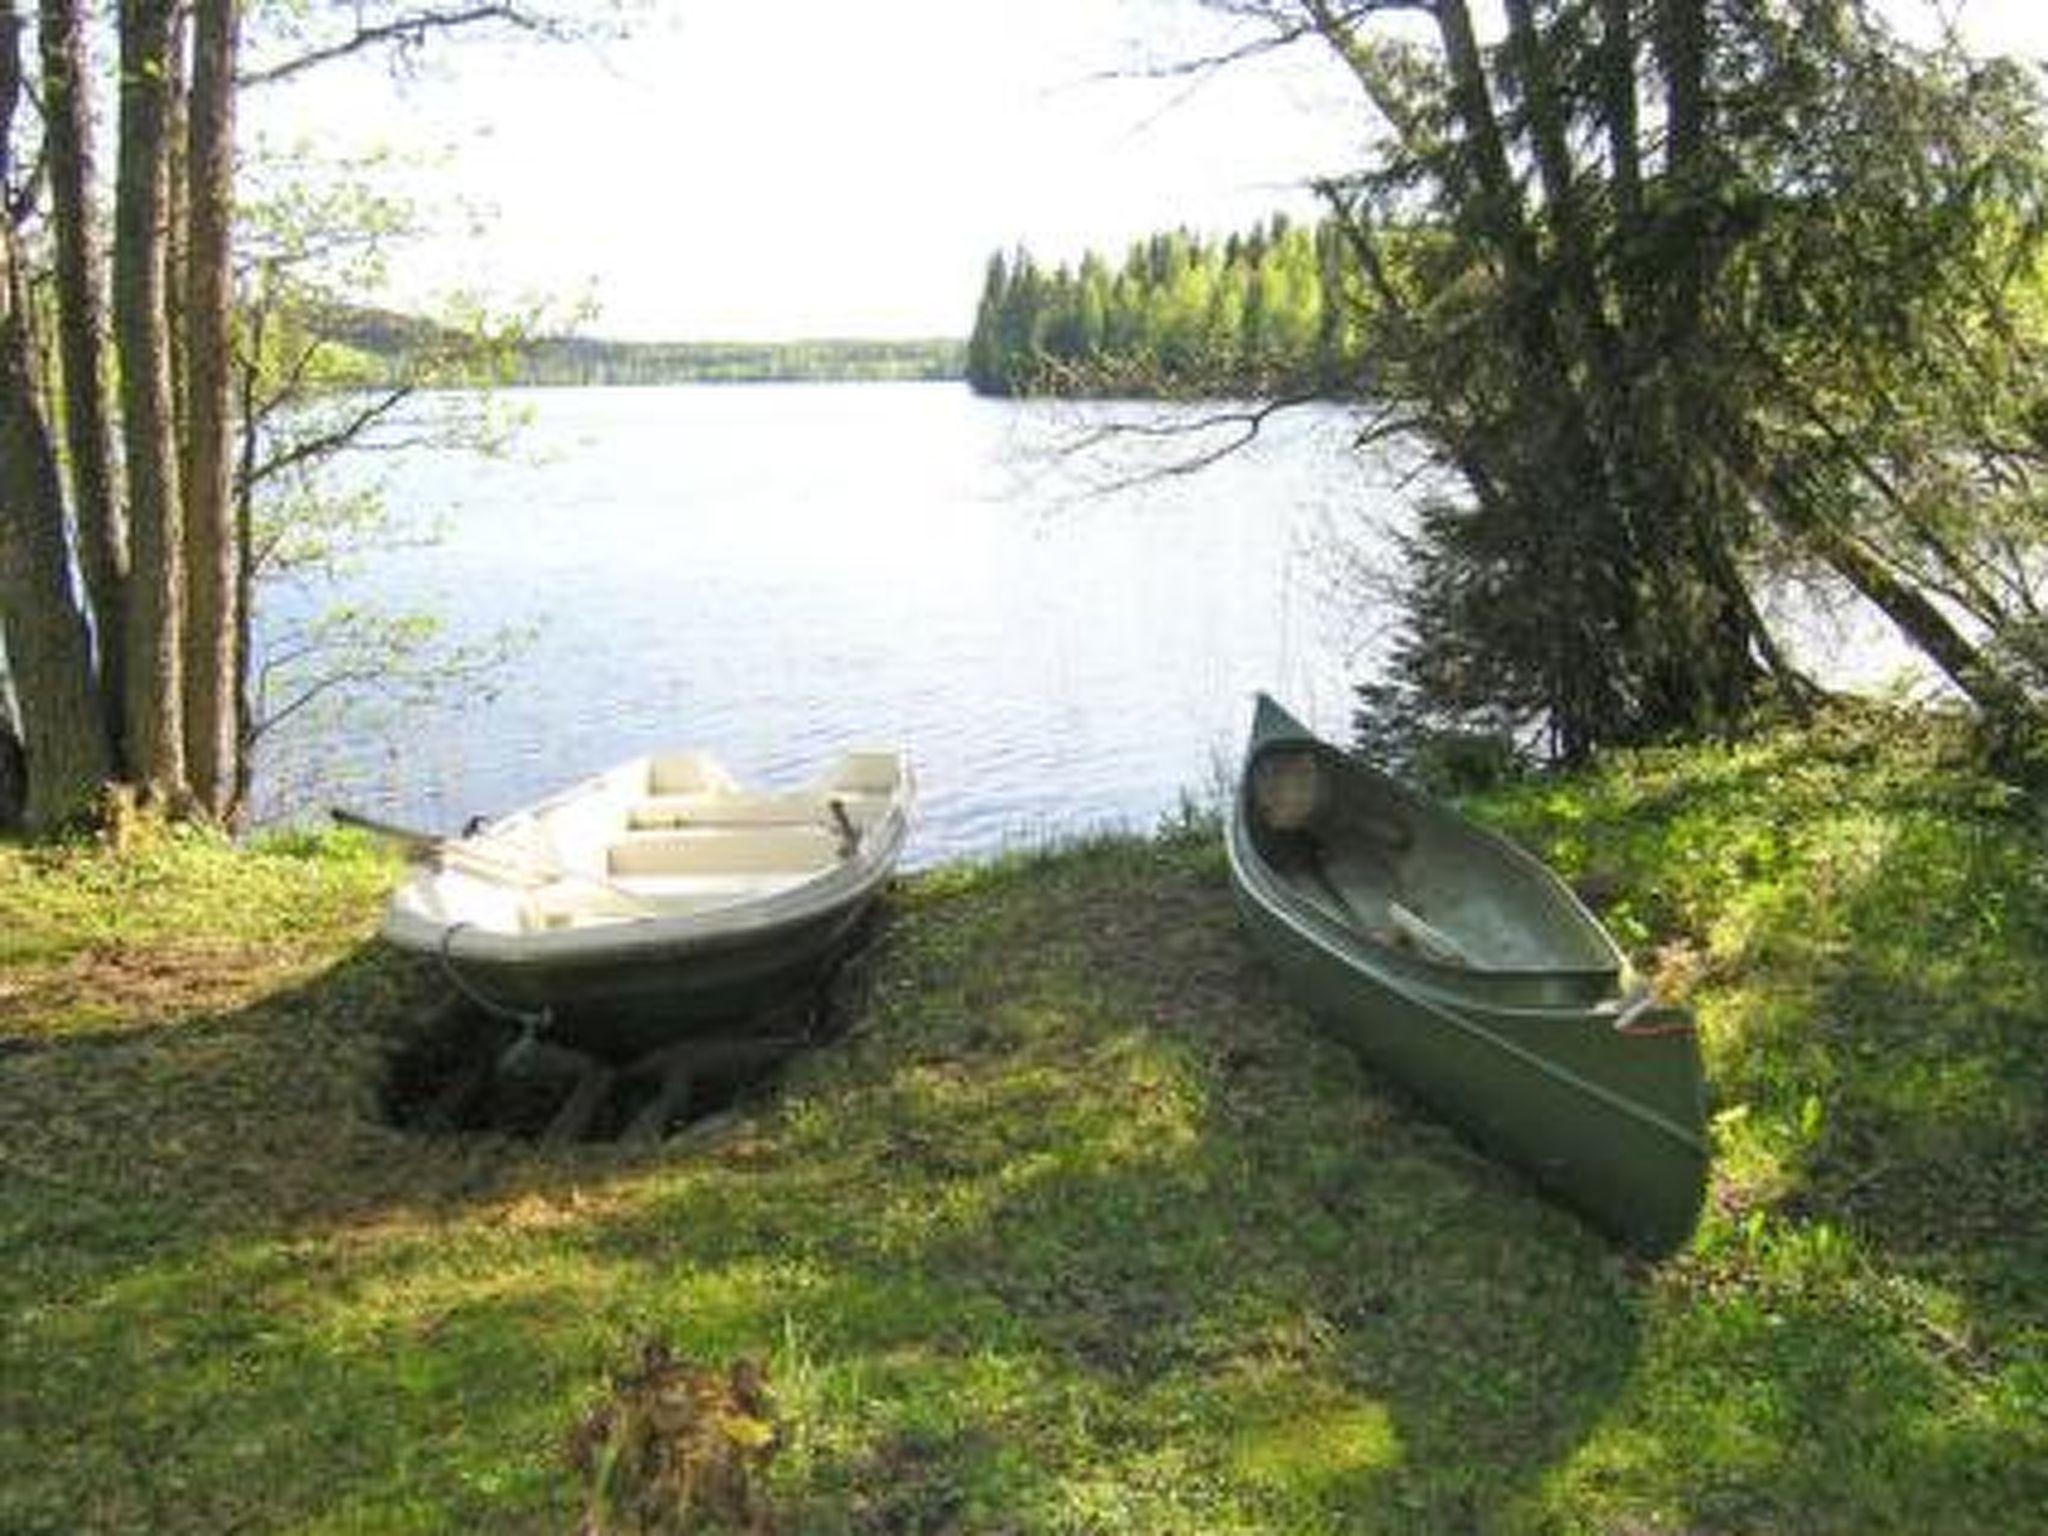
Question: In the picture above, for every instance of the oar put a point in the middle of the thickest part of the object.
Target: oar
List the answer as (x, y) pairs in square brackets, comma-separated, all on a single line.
[(1426, 936), (417, 844), (532, 870)]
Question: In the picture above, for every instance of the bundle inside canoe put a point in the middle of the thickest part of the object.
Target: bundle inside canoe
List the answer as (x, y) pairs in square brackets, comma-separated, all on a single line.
[(657, 896), (1469, 972)]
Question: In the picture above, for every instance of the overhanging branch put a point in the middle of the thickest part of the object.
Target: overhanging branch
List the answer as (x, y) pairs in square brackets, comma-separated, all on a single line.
[(407, 33), (1242, 425), (342, 436)]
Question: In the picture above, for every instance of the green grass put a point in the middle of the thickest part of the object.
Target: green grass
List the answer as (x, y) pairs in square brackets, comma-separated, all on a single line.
[(1083, 1228)]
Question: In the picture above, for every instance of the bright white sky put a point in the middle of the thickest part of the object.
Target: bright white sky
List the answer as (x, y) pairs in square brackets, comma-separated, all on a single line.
[(827, 168)]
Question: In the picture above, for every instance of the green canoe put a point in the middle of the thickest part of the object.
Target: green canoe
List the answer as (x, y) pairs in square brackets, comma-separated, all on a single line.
[(1462, 967)]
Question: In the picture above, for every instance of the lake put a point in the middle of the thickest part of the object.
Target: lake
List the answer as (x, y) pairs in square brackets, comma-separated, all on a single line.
[(1064, 638)]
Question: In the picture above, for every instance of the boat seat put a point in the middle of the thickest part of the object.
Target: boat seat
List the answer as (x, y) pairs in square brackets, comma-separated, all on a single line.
[(686, 893), (724, 853), (680, 773), (664, 895), (866, 773), (800, 808), (1288, 790)]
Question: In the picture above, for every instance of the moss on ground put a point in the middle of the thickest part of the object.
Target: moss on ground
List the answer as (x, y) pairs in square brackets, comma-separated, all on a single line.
[(1082, 1228)]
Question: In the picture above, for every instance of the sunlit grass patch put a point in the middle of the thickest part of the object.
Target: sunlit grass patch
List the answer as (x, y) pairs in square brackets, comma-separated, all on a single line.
[(1855, 1341), (1081, 1227), (176, 921)]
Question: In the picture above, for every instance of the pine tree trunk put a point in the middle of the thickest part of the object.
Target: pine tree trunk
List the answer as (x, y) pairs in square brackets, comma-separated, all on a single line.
[(212, 627), (49, 648), (2004, 704), (154, 704), (13, 773), (81, 334)]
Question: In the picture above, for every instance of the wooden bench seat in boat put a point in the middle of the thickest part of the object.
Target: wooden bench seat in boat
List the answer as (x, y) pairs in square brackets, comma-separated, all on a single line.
[(771, 849), (701, 808), (677, 894), (709, 866)]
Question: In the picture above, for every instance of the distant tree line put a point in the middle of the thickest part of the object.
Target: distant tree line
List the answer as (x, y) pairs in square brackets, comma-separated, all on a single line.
[(579, 360), (1271, 311), (384, 342)]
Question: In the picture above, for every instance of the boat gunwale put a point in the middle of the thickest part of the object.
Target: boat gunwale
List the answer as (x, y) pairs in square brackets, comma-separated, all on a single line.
[(1444, 975), (1256, 882), (744, 921)]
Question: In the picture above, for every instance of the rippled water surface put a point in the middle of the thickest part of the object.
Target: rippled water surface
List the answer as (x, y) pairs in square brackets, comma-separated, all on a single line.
[(775, 572)]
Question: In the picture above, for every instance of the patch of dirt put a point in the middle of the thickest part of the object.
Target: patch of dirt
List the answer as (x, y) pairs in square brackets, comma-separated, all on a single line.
[(126, 986)]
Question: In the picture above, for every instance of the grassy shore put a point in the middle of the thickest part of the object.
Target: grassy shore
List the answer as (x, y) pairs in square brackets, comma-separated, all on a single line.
[(1082, 1228)]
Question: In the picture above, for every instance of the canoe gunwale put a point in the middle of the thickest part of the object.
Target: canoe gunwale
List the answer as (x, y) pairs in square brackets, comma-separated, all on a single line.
[(1607, 1115), (1277, 902), (1274, 732)]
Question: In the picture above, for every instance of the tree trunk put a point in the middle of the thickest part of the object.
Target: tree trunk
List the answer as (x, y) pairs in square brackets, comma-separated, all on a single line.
[(154, 704), (212, 627), (249, 405), (1617, 84), (49, 647), (81, 334), (2005, 706), (1497, 198), (1573, 524), (13, 773), (1681, 50)]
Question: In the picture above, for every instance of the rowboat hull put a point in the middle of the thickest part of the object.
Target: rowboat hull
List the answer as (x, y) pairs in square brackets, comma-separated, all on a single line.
[(659, 900), (627, 1001), (1597, 1098)]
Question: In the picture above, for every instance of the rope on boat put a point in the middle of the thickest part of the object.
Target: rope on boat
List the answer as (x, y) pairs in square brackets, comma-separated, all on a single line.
[(849, 834), (1664, 1021), (1642, 1016), (530, 1021)]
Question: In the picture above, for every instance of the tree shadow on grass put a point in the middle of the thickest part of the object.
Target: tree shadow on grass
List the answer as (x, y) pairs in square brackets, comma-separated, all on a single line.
[(1903, 1056), (1854, 1344), (209, 1237), (1087, 1229), (266, 1114), (1107, 1236)]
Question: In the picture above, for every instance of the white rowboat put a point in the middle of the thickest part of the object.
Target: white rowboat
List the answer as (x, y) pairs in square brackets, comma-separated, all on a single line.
[(637, 905)]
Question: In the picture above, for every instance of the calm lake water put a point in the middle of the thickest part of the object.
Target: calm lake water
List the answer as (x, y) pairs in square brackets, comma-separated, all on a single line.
[(778, 571)]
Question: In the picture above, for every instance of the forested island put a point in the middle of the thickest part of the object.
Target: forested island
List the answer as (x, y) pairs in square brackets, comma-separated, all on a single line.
[(1266, 311)]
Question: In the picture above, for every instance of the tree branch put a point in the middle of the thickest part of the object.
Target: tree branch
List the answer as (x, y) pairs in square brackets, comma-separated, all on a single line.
[(1245, 426), (407, 33), (332, 441)]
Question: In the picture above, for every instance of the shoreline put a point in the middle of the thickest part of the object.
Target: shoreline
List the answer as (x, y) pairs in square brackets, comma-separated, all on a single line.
[(1080, 1197)]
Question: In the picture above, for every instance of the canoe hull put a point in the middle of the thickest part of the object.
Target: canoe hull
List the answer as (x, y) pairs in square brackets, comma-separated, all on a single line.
[(1609, 1120), (1639, 1176)]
